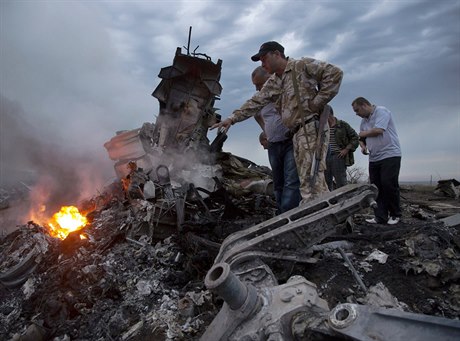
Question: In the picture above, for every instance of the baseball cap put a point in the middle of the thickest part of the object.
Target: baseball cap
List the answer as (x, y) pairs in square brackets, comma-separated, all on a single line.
[(269, 46)]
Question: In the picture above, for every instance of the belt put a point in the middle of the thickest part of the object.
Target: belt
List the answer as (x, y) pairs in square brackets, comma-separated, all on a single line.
[(296, 128), (279, 142)]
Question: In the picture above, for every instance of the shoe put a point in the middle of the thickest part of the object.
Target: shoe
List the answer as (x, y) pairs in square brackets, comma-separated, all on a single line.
[(393, 220), (371, 221)]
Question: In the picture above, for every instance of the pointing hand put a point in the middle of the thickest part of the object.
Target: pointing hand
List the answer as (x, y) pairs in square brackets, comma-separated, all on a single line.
[(223, 126)]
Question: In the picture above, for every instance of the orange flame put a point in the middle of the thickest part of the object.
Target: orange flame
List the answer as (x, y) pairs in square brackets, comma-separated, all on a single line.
[(67, 220)]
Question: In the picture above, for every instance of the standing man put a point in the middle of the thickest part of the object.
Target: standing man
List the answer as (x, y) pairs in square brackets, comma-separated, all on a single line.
[(343, 141), (299, 89), (280, 150), (379, 139)]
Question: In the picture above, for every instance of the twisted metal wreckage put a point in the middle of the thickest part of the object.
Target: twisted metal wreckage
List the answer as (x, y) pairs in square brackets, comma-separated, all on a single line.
[(256, 307), (190, 184)]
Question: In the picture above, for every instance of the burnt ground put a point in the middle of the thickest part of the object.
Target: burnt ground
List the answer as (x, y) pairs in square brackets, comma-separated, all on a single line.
[(402, 274), (113, 286), (422, 269)]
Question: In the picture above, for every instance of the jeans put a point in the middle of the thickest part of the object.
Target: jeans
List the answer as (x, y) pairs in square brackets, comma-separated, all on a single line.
[(385, 174), (285, 179)]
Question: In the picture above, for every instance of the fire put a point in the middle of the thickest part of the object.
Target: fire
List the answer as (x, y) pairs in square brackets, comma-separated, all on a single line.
[(67, 220)]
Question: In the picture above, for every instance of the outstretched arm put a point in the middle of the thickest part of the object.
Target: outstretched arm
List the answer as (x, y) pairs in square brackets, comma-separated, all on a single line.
[(250, 108)]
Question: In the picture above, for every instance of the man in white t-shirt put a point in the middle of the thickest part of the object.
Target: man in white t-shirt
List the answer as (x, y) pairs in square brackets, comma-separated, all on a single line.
[(379, 140)]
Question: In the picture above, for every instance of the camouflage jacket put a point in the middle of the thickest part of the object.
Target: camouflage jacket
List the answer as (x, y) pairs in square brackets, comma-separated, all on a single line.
[(318, 83), (346, 136)]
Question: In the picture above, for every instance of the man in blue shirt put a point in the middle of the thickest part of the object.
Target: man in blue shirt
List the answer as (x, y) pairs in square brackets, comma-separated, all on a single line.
[(280, 150), (379, 139)]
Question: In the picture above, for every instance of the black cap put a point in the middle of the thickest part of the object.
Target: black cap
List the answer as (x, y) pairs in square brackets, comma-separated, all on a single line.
[(269, 46)]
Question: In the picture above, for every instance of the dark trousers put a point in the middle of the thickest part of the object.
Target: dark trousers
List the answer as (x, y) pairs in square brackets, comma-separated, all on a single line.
[(335, 170), (385, 175), (285, 178)]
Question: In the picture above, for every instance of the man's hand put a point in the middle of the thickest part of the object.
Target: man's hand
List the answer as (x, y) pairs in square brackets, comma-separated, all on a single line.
[(343, 153), (363, 146), (223, 126), (364, 150)]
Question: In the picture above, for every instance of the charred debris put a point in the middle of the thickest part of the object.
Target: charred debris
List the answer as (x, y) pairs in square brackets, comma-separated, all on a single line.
[(185, 245)]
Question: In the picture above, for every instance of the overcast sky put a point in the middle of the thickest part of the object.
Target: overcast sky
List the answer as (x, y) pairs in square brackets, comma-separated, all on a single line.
[(78, 71)]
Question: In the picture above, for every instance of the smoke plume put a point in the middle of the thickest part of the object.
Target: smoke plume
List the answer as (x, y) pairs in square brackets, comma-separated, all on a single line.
[(56, 173)]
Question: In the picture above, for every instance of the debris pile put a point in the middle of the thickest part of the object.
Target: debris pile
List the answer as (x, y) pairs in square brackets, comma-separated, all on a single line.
[(449, 188), (136, 269), (125, 279), (126, 282), (183, 213)]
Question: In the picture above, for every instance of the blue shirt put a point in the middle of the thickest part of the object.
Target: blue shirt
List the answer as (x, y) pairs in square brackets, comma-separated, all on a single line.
[(275, 130), (384, 145)]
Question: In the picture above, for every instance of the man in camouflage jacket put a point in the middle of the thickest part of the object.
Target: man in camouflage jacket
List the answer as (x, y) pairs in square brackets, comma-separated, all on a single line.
[(317, 82), (343, 141)]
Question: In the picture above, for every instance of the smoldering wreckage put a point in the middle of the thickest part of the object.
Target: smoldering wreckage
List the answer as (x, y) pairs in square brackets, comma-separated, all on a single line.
[(191, 248)]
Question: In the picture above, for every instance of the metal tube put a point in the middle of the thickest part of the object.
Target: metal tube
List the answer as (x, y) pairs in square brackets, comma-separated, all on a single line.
[(189, 37), (366, 323), (221, 281), (352, 269)]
